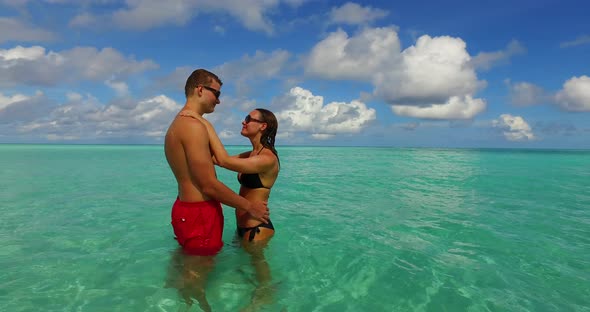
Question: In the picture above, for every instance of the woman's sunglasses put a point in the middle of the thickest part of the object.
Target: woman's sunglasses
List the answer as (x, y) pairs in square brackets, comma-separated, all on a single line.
[(249, 118)]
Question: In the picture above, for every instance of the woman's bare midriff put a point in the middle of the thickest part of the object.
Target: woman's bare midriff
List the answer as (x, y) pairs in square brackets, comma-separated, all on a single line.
[(243, 218)]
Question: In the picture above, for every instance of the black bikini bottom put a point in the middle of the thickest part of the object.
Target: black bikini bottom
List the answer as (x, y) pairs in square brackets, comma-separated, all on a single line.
[(254, 230)]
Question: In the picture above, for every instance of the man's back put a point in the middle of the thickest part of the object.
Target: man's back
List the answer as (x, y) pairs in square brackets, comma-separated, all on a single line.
[(176, 151)]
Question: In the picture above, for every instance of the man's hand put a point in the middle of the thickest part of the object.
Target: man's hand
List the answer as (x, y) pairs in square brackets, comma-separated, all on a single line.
[(260, 211)]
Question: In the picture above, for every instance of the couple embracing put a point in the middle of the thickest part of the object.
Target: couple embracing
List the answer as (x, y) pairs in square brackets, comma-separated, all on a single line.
[(192, 148)]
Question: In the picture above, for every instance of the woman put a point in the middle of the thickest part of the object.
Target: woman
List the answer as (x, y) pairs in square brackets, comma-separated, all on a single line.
[(257, 169)]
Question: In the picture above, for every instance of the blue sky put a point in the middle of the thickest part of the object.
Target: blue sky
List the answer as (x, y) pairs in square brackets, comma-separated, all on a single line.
[(336, 73)]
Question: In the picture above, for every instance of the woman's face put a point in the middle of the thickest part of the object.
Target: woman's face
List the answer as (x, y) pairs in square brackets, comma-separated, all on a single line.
[(252, 124)]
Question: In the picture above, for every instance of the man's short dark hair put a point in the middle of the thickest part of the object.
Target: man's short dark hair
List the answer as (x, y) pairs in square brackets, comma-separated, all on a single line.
[(199, 77)]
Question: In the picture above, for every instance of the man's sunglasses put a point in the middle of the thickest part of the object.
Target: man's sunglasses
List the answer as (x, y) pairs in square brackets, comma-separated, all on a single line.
[(217, 93), (249, 118)]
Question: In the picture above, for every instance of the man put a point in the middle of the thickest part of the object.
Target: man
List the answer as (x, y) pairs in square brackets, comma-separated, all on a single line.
[(197, 217)]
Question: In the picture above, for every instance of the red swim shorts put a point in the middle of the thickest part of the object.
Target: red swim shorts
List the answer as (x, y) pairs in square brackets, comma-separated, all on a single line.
[(198, 226)]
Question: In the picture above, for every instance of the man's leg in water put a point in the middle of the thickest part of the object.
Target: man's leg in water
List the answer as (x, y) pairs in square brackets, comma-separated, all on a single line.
[(188, 275)]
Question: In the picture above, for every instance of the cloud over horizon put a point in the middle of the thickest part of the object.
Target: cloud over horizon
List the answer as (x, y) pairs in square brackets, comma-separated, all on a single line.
[(303, 111), (514, 128), (574, 96), (85, 117)]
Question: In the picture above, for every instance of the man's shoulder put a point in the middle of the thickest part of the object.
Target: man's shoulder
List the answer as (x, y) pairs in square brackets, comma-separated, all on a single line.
[(189, 122), (189, 129)]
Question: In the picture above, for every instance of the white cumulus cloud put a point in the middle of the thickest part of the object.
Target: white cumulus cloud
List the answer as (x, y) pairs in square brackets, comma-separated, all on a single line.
[(525, 93), (6, 100), (148, 14), (455, 108), (19, 108), (575, 95), (145, 14), (83, 117), (485, 60), (306, 112), (35, 66), (225, 134), (129, 114), (261, 65), (360, 57), (432, 71), (353, 14), (15, 30), (514, 128), (435, 78), (120, 87)]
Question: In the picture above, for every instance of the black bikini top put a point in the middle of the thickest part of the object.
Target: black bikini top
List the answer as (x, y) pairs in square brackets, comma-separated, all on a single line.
[(251, 180)]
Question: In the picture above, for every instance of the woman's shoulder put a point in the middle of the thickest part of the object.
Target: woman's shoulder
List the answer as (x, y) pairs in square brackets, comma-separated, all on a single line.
[(266, 152)]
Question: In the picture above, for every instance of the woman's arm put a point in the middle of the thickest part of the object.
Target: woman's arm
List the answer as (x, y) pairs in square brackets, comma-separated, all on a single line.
[(239, 163)]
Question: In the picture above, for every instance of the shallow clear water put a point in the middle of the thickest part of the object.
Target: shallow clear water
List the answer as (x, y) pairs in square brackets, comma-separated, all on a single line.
[(87, 228)]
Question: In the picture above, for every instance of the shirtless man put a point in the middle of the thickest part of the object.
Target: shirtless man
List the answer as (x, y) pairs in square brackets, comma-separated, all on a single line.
[(197, 217)]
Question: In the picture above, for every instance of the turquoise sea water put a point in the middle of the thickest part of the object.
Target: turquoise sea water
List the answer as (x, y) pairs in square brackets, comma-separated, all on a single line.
[(87, 228)]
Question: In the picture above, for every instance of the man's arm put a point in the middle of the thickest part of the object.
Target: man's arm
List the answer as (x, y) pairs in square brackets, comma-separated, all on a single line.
[(196, 147)]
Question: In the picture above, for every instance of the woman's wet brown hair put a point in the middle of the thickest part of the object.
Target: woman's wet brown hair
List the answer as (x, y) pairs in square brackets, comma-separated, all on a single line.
[(268, 135)]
